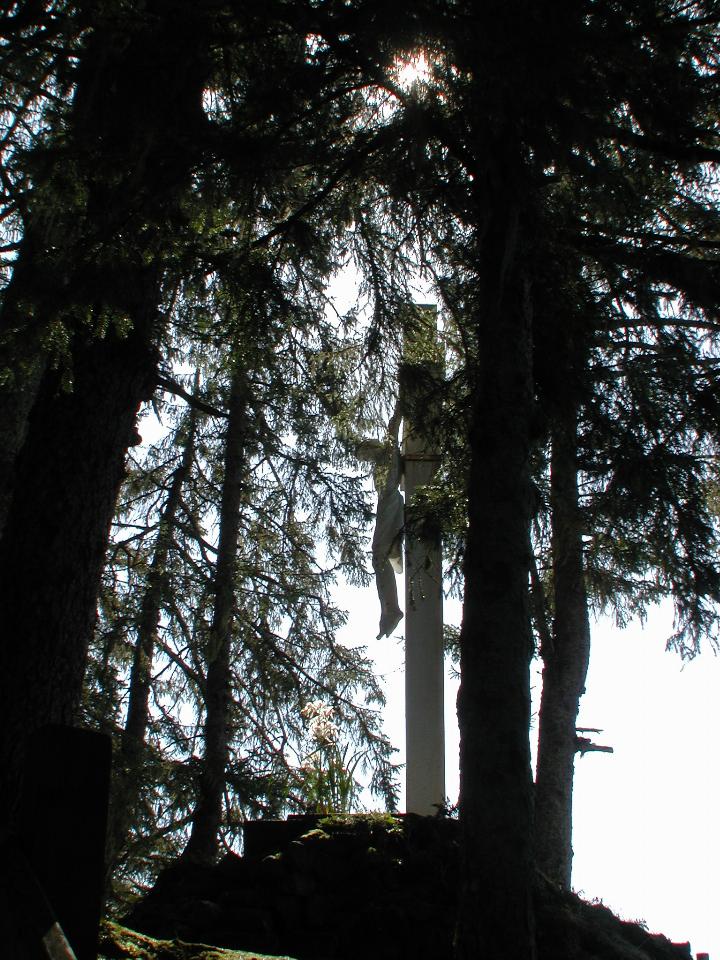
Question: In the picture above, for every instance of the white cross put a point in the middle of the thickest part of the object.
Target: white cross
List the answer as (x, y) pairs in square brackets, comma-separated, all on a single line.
[(424, 661)]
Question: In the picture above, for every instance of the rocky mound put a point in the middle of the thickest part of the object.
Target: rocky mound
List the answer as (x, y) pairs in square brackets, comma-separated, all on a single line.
[(349, 888)]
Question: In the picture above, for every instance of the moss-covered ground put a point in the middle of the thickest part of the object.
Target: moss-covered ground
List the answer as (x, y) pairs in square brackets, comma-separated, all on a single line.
[(119, 943)]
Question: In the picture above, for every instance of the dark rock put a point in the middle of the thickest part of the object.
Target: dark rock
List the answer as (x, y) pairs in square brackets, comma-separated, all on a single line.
[(289, 911), (241, 898), (63, 821)]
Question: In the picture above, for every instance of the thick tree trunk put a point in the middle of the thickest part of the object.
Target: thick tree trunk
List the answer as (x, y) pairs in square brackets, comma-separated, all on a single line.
[(496, 915), (125, 161), (102, 188), (566, 661), (52, 550), (208, 813), (22, 365), (132, 744)]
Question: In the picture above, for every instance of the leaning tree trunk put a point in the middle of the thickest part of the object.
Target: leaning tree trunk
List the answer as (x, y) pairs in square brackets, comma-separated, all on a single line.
[(129, 150), (566, 660), (207, 817), (496, 914), (128, 772)]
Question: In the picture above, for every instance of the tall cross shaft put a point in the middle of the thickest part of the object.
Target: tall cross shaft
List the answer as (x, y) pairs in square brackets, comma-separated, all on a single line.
[(424, 660)]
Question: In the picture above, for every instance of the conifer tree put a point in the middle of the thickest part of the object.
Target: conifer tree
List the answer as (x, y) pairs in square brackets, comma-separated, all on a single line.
[(279, 651), (78, 326), (130, 757), (115, 219)]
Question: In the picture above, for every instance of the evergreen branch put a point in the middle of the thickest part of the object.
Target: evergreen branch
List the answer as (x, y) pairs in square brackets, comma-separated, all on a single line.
[(671, 149), (172, 386)]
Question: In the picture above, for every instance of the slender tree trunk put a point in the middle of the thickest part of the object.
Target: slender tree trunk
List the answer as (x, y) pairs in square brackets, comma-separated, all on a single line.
[(566, 661), (207, 816), (132, 743), (130, 146), (133, 736), (496, 914)]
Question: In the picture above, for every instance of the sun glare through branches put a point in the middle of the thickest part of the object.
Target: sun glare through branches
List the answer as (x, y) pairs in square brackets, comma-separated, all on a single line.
[(411, 71)]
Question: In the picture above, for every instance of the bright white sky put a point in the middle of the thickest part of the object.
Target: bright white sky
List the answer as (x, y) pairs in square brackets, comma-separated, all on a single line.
[(646, 832)]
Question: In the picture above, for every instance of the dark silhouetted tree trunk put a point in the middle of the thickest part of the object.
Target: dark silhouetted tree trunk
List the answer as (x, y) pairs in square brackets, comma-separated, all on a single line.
[(129, 148), (207, 815), (25, 363), (53, 547), (132, 741), (565, 661), (496, 915)]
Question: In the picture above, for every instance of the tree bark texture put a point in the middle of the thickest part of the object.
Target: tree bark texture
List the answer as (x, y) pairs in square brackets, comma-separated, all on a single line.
[(496, 914), (90, 274), (565, 661), (207, 818), (22, 366), (103, 187)]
